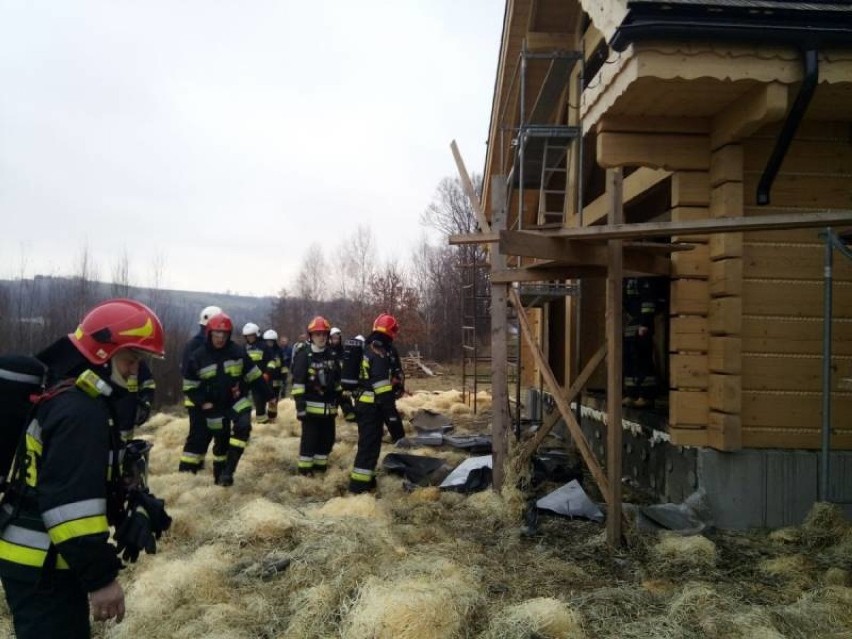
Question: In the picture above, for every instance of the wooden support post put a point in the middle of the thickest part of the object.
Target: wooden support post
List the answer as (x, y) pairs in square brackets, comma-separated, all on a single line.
[(469, 190), (499, 345), (614, 186), (563, 406)]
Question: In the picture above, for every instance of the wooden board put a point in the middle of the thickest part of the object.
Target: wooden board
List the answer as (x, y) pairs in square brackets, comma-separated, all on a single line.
[(726, 200), (688, 408), (726, 245), (793, 298), (794, 335), (690, 188), (725, 393), (724, 355), (688, 333), (688, 371), (804, 156), (725, 316), (791, 262), (726, 277), (671, 152), (690, 214), (692, 264), (787, 373), (726, 165), (724, 432), (811, 191), (797, 410), (690, 297)]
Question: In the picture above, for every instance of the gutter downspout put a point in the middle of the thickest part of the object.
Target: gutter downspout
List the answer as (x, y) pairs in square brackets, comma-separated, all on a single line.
[(791, 124)]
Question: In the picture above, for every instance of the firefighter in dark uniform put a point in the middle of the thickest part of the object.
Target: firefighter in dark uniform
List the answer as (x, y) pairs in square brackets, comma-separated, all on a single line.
[(257, 353), (316, 388), (219, 379), (286, 362), (66, 486), (199, 437), (641, 304), (134, 407), (375, 403), (335, 343), (273, 363)]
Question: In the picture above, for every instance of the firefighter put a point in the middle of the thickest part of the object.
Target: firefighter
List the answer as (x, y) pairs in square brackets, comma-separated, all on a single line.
[(316, 388), (218, 379), (66, 490), (335, 343), (256, 352), (641, 303), (199, 437), (272, 371), (134, 407), (286, 362), (381, 382)]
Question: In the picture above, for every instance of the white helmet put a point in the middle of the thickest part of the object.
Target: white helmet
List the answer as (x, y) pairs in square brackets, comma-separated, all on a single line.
[(360, 338), (207, 312), (270, 334), (251, 329), (334, 331)]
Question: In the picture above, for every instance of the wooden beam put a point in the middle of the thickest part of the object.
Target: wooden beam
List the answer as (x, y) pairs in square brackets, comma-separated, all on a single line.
[(635, 184), (545, 42), (474, 238), (546, 273), (569, 396), (777, 221), (764, 104), (469, 190), (499, 348), (652, 124), (614, 337), (671, 152), (563, 406)]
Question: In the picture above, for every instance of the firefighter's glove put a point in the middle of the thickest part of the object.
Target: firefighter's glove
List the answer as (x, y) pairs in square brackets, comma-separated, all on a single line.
[(156, 511), (301, 406), (135, 535), (143, 412)]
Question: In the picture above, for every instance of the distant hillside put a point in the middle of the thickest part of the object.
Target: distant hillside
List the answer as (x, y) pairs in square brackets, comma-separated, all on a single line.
[(181, 308)]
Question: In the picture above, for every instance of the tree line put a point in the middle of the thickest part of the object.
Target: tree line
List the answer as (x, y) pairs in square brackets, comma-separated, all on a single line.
[(349, 286)]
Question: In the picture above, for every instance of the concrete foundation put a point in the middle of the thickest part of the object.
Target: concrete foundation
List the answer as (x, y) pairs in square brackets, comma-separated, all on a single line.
[(754, 488)]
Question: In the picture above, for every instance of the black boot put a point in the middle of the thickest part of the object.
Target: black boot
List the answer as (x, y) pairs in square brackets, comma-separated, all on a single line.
[(226, 477), (218, 466)]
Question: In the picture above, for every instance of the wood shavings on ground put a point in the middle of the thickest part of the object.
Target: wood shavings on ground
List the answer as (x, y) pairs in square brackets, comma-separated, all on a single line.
[(279, 555)]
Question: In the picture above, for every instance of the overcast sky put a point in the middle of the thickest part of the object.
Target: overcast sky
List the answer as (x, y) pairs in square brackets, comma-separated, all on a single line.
[(223, 137)]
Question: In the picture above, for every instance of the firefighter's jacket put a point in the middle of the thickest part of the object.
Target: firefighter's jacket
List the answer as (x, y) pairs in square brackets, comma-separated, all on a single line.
[(316, 381), (381, 379), (273, 363), (57, 511), (195, 342), (256, 353), (223, 378), (641, 303), (140, 393)]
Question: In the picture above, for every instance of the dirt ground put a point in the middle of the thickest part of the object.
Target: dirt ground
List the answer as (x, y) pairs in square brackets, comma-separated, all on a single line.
[(279, 555)]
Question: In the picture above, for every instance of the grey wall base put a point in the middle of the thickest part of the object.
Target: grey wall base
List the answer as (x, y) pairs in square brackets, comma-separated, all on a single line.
[(769, 488)]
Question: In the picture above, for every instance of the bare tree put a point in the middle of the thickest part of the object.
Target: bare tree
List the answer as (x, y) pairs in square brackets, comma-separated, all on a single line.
[(121, 276), (312, 285)]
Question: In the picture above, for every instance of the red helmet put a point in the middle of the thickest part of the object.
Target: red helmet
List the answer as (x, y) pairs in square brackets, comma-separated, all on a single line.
[(116, 324), (387, 324), (219, 322), (319, 325)]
